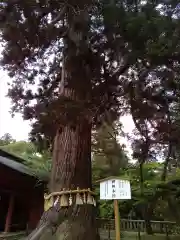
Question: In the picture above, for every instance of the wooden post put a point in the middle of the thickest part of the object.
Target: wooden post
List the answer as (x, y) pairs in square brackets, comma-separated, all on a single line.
[(117, 219), (9, 214)]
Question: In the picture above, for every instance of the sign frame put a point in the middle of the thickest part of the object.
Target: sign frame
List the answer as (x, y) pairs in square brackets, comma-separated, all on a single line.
[(127, 190), (114, 188)]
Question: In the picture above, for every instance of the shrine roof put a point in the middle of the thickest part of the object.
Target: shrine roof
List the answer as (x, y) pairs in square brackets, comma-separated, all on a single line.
[(16, 163)]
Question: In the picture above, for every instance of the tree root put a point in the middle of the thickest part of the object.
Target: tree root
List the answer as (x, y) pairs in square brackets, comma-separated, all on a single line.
[(50, 221), (74, 222)]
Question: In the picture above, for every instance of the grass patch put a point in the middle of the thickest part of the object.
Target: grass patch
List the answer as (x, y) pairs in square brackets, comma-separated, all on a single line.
[(105, 235), (12, 236)]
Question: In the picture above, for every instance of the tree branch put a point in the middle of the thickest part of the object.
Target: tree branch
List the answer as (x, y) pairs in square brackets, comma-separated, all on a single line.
[(164, 174), (59, 16), (121, 69)]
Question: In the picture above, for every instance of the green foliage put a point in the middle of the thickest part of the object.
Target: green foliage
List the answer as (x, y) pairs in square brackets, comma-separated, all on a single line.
[(107, 151), (39, 163), (156, 195), (6, 139), (106, 210), (154, 189), (20, 148)]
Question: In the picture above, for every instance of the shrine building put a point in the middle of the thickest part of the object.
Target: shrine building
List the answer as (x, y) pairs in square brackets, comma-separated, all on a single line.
[(21, 195)]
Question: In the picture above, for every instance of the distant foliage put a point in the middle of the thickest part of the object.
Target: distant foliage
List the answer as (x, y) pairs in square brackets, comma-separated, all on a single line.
[(108, 153), (39, 163), (6, 139), (156, 195)]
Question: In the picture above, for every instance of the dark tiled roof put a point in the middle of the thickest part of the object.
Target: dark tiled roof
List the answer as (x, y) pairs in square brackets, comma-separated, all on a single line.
[(16, 166), (15, 163)]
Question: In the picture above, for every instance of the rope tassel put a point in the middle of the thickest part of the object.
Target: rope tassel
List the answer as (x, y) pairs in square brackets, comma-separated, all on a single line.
[(84, 198), (89, 199), (64, 201), (79, 200), (70, 200), (48, 203), (65, 198), (94, 201)]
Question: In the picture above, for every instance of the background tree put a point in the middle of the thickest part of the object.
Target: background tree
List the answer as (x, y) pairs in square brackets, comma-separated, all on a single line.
[(108, 153), (39, 163), (6, 139)]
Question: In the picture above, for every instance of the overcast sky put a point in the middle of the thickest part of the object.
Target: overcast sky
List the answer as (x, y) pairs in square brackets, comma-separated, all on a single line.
[(20, 129)]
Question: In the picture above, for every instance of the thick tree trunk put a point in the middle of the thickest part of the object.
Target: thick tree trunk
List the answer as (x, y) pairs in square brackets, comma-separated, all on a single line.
[(72, 157), (71, 168)]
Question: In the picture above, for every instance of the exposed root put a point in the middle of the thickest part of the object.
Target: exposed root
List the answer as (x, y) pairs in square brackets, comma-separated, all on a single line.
[(72, 223), (50, 221)]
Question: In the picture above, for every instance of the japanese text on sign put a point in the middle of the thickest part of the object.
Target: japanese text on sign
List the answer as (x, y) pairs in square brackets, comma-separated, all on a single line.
[(115, 189)]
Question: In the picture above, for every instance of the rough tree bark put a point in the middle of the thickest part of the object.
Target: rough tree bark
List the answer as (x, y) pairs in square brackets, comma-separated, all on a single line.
[(71, 168)]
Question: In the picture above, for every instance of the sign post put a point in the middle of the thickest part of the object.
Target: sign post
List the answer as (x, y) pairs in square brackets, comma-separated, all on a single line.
[(117, 219), (114, 188)]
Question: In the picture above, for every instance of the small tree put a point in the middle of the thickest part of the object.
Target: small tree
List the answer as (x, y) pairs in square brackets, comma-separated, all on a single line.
[(108, 154), (6, 139)]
